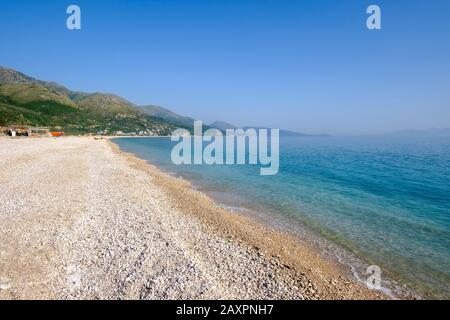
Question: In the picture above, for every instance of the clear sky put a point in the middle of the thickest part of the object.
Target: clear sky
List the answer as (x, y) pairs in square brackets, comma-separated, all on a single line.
[(310, 66)]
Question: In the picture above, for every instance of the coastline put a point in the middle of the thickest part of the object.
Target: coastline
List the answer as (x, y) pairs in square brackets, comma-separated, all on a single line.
[(288, 248), (109, 225), (351, 256)]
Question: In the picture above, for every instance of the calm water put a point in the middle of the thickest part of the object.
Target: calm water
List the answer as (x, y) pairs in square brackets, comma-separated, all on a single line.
[(386, 200)]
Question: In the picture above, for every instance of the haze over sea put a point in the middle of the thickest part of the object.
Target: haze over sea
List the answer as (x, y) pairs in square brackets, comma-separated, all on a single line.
[(386, 200)]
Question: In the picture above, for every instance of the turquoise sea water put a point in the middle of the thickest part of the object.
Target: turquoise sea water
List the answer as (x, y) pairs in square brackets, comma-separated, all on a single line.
[(386, 200)]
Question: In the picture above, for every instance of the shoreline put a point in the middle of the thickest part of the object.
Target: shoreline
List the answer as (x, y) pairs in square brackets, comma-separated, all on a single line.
[(94, 222), (341, 257), (272, 240), (344, 258)]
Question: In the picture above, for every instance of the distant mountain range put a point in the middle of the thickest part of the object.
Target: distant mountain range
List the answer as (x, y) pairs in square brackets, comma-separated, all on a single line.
[(28, 101), (434, 133), (221, 125)]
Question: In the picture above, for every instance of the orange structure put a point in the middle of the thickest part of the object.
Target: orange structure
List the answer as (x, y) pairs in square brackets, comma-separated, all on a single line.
[(57, 134)]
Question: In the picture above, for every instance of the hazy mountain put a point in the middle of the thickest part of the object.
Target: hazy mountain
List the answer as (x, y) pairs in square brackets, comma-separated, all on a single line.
[(28, 101), (166, 114), (440, 132), (287, 133), (221, 125)]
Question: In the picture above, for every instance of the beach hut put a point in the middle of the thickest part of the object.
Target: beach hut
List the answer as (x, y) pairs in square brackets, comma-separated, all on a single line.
[(24, 131), (17, 130), (38, 132)]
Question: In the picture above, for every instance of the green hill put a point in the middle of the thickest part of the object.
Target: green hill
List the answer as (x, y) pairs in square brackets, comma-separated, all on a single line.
[(28, 101)]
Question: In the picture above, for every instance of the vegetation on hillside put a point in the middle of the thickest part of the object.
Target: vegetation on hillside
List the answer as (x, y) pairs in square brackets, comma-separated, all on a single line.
[(27, 101)]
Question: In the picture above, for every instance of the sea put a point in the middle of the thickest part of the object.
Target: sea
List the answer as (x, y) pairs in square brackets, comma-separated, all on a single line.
[(372, 200)]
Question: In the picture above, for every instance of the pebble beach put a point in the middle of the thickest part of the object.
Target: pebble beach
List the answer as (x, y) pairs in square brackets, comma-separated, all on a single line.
[(80, 219)]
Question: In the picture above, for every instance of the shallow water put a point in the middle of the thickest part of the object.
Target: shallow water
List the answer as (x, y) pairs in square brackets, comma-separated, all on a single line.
[(386, 200)]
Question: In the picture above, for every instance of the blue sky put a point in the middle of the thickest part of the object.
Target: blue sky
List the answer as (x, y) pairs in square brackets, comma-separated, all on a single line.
[(310, 66)]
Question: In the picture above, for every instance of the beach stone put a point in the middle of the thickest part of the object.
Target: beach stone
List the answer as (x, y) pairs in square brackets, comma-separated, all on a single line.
[(4, 285)]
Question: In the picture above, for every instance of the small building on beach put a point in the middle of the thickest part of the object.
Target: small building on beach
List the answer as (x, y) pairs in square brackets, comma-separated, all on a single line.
[(16, 131), (25, 131), (38, 132)]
